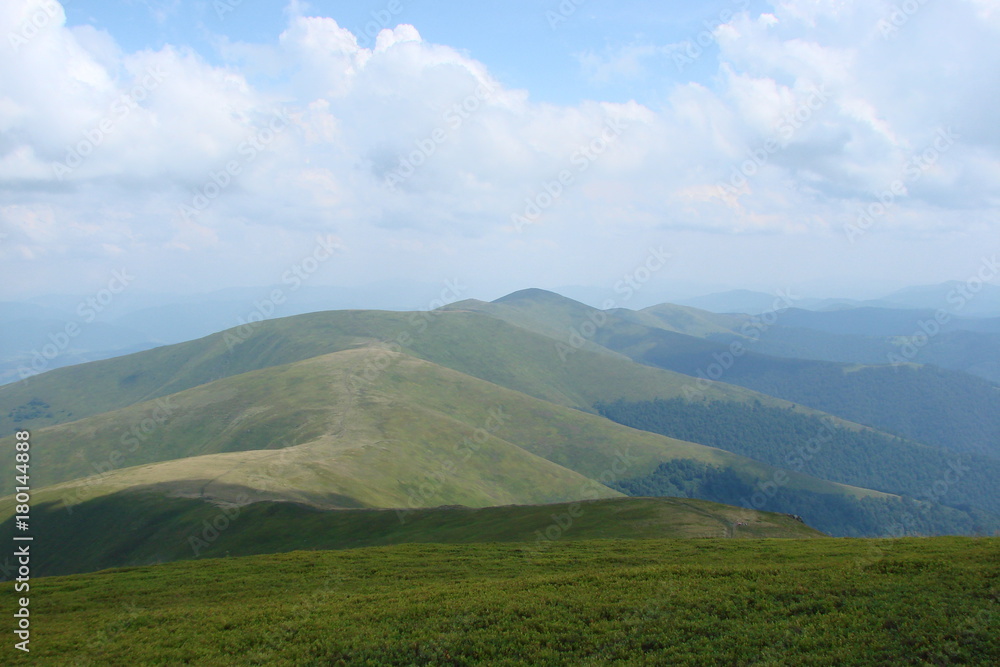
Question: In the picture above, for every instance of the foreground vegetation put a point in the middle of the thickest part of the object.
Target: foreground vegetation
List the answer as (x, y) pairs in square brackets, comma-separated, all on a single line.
[(648, 602)]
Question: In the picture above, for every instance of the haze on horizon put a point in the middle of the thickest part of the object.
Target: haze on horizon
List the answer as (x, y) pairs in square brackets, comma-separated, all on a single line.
[(829, 147)]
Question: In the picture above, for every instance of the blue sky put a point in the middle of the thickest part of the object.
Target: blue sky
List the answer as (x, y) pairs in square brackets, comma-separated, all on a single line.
[(537, 46), (825, 146)]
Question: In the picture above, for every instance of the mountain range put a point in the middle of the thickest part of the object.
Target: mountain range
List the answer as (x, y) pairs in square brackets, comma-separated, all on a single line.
[(526, 402), (48, 332)]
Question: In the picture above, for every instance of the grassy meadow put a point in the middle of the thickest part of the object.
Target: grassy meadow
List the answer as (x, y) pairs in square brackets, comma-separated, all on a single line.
[(911, 601)]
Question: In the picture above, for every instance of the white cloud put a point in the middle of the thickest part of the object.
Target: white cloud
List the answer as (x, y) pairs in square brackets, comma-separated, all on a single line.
[(159, 125)]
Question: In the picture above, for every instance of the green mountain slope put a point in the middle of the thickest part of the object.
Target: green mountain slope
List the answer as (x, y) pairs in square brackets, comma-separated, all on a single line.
[(688, 320), (357, 409), (927, 404), (472, 343), (417, 435), (569, 321), (302, 432), (805, 443)]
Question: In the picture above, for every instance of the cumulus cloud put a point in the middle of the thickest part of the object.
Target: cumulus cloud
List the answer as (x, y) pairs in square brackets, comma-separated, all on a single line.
[(815, 107)]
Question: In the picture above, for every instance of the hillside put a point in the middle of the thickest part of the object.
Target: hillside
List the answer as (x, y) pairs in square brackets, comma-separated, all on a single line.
[(301, 432), (838, 454), (933, 406), (870, 321), (169, 529), (416, 435), (415, 425), (471, 343), (972, 352), (559, 317)]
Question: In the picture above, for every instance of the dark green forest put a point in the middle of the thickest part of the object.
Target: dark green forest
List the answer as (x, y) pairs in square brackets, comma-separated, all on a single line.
[(840, 516), (927, 404), (817, 447), (821, 448)]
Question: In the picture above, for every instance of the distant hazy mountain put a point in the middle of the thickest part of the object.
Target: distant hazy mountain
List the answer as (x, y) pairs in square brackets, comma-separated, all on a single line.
[(966, 351), (746, 301), (35, 339), (960, 299), (870, 321), (974, 299), (33, 334)]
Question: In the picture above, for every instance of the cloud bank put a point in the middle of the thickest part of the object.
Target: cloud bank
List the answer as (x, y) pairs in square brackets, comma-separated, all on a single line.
[(821, 117)]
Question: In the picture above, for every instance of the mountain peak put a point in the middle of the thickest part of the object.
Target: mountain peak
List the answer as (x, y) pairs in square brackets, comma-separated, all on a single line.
[(531, 294)]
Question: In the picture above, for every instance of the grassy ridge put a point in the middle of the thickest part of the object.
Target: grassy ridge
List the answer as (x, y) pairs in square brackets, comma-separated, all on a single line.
[(417, 435), (471, 343), (143, 528), (651, 602), (379, 445), (557, 316)]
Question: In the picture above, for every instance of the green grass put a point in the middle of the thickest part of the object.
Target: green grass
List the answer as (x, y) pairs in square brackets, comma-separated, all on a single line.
[(817, 602), (146, 528)]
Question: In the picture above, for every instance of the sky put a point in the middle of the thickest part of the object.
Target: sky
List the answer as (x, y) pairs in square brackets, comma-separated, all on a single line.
[(829, 147)]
